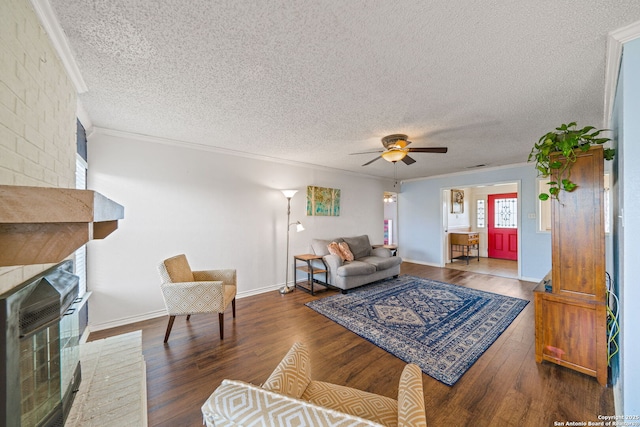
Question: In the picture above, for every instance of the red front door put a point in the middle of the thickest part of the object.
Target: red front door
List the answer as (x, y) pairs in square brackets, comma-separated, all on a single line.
[(502, 224)]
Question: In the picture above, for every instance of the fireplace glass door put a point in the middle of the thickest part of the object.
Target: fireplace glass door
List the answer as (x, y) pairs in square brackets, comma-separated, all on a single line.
[(40, 375)]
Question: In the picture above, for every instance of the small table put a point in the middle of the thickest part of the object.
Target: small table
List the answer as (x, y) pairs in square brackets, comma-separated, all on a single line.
[(464, 242), (310, 270)]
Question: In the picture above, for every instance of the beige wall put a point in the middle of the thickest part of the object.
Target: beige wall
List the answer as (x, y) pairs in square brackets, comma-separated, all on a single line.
[(37, 113)]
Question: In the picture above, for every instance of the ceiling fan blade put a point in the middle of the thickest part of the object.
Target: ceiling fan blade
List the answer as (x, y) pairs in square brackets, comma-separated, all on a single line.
[(408, 160), (371, 161), (428, 150), (367, 152)]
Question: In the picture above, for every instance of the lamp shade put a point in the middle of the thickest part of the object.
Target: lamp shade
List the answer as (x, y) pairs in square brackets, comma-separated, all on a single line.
[(394, 154), (299, 227), (289, 193)]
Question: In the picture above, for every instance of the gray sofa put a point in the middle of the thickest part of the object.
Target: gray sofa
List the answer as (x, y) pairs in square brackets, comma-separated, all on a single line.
[(368, 265)]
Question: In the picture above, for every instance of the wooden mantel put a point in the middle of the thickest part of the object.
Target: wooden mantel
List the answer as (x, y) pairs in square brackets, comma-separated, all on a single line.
[(40, 225)]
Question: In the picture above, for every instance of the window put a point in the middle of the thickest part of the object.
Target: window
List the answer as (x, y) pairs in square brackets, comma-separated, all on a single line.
[(480, 213), (81, 253), (607, 205), (506, 213), (544, 207), (81, 184)]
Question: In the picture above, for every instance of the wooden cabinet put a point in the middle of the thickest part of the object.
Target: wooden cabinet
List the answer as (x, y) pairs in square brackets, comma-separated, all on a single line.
[(577, 232), (571, 332), (571, 317)]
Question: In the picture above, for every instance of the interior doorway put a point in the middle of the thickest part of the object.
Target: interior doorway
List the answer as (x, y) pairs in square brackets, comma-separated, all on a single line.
[(390, 225), (473, 217)]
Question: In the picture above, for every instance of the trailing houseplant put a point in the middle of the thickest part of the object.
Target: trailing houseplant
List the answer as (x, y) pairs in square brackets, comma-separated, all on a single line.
[(569, 141)]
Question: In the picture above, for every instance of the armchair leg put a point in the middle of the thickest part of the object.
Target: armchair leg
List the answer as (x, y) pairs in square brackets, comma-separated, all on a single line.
[(221, 322), (188, 317), (233, 307), (169, 326)]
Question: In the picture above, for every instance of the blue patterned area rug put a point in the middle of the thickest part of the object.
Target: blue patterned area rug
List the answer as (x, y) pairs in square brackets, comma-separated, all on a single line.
[(440, 327)]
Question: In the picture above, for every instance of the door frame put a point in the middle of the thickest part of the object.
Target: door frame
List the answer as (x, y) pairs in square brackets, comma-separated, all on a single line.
[(445, 206)]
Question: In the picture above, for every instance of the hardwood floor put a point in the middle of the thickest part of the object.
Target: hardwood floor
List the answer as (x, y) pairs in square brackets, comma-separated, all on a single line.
[(493, 266), (505, 387)]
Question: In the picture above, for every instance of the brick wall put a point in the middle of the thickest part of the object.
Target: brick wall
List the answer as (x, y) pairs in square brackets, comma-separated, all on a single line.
[(37, 113)]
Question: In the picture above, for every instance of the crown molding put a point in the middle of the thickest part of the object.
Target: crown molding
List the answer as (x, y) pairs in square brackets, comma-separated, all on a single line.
[(470, 172), (615, 41), (212, 149), (50, 23)]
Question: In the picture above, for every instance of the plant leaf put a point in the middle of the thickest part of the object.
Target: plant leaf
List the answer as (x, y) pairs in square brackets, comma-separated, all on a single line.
[(555, 165), (609, 153)]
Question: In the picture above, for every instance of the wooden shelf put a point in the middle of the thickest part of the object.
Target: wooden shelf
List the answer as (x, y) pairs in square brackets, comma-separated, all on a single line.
[(40, 225), (308, 270)]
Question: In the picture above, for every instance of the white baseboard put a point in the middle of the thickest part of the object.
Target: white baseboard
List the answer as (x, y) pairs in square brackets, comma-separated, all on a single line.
[(258, 291), (163, 312), (126, 320), (430, 264)]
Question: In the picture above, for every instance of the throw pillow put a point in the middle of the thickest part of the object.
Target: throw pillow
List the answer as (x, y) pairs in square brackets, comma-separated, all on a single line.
[(346, 252), (334, 249)]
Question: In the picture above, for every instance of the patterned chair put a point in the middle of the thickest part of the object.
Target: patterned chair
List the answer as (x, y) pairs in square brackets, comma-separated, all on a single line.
[(187, 292), (290, 397)]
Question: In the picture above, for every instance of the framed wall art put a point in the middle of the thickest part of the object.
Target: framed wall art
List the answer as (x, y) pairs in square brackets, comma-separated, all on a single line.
[(323, 201), (457, 201)]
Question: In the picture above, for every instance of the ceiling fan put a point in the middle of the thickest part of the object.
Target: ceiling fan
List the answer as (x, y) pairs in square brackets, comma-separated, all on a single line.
[(396, 149)]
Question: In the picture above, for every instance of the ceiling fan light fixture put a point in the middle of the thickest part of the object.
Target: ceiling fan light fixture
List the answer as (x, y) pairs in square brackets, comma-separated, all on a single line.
[(393, 155)]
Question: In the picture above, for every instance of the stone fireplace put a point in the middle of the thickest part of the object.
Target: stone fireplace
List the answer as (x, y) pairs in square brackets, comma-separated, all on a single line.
[(39, 322), (40, 344)]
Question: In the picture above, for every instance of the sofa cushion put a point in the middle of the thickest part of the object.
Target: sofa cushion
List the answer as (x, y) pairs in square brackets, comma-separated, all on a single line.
[(320, 246), (235, 403), (382, 263), (359, 245), (355, 268), (178, 269), (380, 409)]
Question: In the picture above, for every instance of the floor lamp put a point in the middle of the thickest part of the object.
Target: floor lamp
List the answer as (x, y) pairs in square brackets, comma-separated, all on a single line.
[(289, 194)]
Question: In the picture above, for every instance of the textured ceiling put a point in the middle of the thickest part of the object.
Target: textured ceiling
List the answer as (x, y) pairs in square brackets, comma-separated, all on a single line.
[(312, 81)]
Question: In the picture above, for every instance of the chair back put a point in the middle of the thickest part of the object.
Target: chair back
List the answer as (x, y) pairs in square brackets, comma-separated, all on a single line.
[(177, 270)]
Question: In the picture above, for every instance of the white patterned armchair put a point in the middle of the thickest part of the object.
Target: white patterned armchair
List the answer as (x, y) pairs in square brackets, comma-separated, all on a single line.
[(291, 397), (187, 292)]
